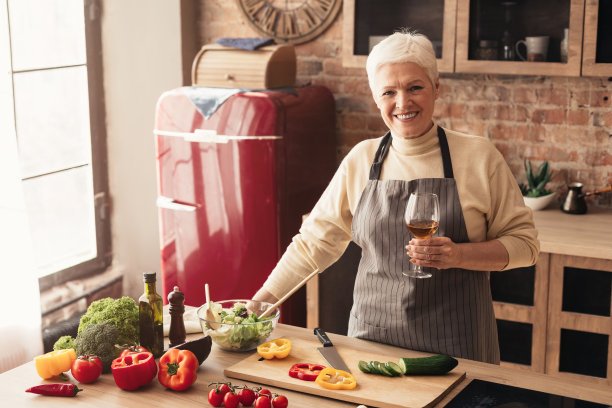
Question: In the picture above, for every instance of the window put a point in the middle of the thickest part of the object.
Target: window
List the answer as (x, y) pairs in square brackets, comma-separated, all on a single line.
[(52, 85)]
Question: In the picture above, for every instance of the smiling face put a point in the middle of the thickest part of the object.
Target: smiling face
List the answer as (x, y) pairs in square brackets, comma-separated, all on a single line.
[(405, 96)]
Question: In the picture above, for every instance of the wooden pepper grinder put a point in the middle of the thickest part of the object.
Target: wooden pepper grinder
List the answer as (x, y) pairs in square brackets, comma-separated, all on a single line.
[(177, 325)]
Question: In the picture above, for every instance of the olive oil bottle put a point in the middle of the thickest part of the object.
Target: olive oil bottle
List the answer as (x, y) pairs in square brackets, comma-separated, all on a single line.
[(151, 316)]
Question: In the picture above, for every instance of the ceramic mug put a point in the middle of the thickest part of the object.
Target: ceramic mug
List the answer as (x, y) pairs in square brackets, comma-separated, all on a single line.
[(537, 48)]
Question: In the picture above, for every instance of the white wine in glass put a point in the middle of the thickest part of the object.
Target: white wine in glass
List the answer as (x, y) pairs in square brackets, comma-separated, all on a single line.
[(421, 217)]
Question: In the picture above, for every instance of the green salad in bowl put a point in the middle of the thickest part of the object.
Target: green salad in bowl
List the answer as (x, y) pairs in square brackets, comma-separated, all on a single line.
[(236, 325)]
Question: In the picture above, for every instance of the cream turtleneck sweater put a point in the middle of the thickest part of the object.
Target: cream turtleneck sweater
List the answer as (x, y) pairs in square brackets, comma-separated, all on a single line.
[(491, 200)]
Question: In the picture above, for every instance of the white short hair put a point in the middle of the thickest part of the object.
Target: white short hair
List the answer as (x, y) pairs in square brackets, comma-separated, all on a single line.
[(403, 46)]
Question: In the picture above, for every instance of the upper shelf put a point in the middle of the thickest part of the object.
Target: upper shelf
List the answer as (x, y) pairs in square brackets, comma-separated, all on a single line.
[(460, 28)]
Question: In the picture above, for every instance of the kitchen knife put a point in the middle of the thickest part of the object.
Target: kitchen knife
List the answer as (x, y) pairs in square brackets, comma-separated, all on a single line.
[(329, 352)]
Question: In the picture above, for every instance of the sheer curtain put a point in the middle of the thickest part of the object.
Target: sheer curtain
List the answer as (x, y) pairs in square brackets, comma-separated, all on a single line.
[(21, 337), (20, 331)]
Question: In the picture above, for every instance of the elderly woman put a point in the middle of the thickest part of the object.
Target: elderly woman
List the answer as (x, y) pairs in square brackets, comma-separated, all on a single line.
[(484, 225)]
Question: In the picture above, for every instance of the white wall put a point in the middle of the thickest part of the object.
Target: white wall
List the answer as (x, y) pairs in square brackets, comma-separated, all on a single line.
[(141, 41)]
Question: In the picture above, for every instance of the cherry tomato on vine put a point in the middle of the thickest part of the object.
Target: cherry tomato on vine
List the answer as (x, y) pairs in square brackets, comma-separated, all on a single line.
[(265, 391), (280, 401), (263, 402), (86, 369), (230, 400), (215, 398), (224, 388), (246, 397)]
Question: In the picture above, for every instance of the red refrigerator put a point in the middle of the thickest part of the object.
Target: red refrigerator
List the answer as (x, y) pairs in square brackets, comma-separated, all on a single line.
[(234, 184)]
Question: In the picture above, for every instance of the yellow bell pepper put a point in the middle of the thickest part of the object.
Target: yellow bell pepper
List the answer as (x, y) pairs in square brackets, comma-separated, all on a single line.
[(333, 379), (278, 348), (54, 363)]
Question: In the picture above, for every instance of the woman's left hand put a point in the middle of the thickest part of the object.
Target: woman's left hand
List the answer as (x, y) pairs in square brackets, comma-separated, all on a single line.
[(437, 252), (442, 253)]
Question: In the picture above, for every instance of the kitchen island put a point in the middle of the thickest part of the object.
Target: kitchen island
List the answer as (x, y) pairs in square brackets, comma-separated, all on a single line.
[(104, 392)]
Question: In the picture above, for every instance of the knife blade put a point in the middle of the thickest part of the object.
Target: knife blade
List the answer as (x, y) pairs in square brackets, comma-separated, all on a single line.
[(329, 352)]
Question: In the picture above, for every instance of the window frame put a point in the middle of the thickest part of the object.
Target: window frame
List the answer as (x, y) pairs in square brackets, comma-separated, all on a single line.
[(99, 157)]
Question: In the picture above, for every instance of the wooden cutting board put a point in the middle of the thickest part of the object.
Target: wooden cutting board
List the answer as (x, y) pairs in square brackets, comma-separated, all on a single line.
[(372, 390)]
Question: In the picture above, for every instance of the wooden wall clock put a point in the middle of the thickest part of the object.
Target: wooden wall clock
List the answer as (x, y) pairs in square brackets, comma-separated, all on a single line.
[(290, 21)]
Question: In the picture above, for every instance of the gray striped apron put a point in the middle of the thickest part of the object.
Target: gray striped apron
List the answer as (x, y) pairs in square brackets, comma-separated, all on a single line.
[(449, 313)]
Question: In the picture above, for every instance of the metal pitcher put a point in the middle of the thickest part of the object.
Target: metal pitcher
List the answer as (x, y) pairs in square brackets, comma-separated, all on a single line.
[(574, 202)]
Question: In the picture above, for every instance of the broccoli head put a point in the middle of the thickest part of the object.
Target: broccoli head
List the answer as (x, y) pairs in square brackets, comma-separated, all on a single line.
[(121, 313), (99, 340), (64, 342)]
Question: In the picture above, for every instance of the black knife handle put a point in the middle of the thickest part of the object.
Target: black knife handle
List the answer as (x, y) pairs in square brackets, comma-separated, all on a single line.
[(323, 337)]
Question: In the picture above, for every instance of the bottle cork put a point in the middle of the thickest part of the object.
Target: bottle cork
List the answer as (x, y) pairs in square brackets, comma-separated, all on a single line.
[(177, 334)]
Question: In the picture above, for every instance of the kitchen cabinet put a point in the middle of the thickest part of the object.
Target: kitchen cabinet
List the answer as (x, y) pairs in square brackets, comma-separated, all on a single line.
[(482, 20), (469, 35), (366, 21), (579, 324), (597, 54), (520, 302), (553, 318)]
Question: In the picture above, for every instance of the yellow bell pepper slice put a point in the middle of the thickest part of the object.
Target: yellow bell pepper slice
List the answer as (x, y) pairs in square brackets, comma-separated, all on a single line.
[(278, 348), (333, 379), (54, 363)]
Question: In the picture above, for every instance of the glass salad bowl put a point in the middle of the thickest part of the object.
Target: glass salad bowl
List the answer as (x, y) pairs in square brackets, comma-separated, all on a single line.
[(235, 327)]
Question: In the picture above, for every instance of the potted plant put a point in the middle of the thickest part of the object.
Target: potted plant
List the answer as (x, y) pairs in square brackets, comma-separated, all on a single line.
[(535, 194)]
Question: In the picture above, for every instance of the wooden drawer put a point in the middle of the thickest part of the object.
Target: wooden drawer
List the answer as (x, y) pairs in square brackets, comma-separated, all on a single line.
[(267, 67)]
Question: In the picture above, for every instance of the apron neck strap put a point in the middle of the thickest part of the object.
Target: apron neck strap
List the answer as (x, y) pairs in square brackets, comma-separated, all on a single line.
[(381, 154), (446, 158), (385, 145)]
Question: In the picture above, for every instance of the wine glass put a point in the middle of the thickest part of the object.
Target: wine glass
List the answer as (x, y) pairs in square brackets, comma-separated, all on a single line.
[(421, 217)]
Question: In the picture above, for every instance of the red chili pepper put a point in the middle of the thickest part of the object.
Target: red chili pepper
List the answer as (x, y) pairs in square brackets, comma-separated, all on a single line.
[(305, 371), (60, 390), (134, 370)]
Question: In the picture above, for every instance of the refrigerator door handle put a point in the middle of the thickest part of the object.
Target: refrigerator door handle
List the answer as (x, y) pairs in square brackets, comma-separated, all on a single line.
[(171, 204), (210, 136), (206, 136)]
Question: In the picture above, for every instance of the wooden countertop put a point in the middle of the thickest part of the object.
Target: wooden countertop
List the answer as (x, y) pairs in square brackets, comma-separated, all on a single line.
[(104, 392), (588, 235)]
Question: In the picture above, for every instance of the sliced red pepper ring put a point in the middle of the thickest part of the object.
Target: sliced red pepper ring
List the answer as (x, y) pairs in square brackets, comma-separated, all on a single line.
[(305, 371)]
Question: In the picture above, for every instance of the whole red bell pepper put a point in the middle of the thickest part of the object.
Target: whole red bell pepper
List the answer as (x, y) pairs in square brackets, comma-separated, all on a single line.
[(177, 369), (305, 371), (134, 370)]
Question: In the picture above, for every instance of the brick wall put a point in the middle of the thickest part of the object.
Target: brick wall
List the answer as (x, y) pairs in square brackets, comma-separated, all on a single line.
[(567, 121)]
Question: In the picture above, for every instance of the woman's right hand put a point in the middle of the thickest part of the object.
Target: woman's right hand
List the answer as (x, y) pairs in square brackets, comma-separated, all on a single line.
[(263, 295)]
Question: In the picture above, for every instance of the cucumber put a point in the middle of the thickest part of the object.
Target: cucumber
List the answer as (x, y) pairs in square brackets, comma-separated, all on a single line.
[(433, 365), (389, 369), (383, 369), (363, 366), (393, 368)]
